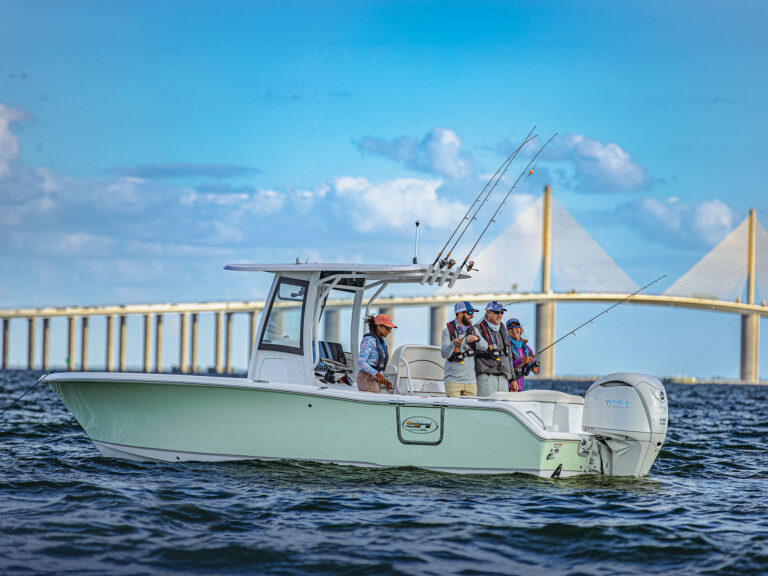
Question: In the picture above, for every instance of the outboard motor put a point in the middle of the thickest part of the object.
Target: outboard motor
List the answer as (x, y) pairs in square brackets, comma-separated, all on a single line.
[(627, 414)]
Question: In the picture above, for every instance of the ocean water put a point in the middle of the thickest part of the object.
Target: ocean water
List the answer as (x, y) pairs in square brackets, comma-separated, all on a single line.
[(64, 509)]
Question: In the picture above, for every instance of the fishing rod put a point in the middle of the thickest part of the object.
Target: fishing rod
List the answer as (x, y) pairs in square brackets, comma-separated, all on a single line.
[(596, 317), (12, 404), (506, 163), (504, 201)]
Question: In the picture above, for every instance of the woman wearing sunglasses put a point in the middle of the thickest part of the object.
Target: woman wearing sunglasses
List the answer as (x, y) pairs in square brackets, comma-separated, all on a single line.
[(374, 355)]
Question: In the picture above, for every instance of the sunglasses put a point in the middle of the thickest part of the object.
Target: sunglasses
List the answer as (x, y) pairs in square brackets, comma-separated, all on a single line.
[(495, 312), (387, 328), (469, 313)]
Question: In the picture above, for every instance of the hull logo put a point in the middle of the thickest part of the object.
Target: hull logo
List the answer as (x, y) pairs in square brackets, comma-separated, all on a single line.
[(420, 425)]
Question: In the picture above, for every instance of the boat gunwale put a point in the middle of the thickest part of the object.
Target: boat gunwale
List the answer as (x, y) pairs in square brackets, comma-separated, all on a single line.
[(476, 403)]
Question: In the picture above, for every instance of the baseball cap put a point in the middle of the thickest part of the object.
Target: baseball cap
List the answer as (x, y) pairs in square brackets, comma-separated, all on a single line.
[(463, 307), (384, 320), (513, 322), (495, 306)]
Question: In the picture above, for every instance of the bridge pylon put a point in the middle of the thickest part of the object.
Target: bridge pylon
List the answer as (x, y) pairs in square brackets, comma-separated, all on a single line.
[(750, 323), (545, 311)]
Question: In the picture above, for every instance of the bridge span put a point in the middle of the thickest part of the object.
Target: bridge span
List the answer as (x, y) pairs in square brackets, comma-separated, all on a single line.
[(716, 283)]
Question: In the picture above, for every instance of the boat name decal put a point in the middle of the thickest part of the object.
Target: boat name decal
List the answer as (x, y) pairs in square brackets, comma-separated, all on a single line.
[(420, 425), (617, 403)]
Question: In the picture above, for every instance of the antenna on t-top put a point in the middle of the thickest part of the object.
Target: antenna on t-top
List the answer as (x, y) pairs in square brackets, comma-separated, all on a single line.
[(416, 248)]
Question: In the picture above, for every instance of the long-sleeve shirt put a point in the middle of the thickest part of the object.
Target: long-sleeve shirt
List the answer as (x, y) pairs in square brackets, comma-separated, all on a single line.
[(370, 352), (456, 371), (517, 355)]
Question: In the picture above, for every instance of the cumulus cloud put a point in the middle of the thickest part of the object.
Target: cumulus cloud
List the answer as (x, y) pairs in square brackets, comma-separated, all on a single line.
[(598, 167), (438, 153), (672, 222), (183, 170), (396, 203)]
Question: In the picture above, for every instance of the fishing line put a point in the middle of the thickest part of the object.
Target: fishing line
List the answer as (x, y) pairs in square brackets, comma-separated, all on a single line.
[(12, 404), (504, 201), (508, 163), (504, 165), (572, 332)]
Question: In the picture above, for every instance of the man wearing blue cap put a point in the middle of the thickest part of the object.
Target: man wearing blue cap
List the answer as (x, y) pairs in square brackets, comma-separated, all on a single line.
[(494, 364), (459, 344)]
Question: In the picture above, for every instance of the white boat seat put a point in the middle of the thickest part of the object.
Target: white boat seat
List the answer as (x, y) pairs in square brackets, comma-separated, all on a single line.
[(416, 368), (538, 396)]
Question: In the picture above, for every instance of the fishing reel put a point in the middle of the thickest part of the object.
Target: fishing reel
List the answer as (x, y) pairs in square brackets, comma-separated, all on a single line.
[(471, 266), (445, 262)]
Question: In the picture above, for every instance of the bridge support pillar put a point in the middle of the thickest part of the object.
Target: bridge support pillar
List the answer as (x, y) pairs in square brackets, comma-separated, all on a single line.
[(390, 340), (750, 338), (750, 323), (332, 325), (436, 324), (545, 335)]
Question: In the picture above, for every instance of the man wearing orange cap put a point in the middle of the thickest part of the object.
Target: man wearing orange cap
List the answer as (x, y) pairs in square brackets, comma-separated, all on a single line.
[(374, 355)]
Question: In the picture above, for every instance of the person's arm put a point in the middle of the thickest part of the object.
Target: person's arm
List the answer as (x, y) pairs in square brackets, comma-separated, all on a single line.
[(481, 344), (367, 348), (446, 344)]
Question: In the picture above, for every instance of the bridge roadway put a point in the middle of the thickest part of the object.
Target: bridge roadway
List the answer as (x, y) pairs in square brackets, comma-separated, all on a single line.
[(223, 311)]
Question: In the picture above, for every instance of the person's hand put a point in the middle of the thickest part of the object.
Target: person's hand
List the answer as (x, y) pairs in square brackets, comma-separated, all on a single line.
[(535, 369), (381, 380), (513, 385), (457, 341), (472, 338), (527, 360)]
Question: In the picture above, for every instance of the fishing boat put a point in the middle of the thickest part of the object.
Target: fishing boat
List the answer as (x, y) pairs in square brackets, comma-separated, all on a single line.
[(299, 400)]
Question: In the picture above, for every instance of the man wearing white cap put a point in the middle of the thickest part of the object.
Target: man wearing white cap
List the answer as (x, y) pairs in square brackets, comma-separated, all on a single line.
[(493, 365), (458, 346)]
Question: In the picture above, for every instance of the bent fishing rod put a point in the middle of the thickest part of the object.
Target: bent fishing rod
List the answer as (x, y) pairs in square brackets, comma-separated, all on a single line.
[(504, 166), (504, 201), (572, 332)]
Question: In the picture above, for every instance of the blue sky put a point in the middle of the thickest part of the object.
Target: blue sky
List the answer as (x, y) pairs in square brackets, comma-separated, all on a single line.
[(143, 145)]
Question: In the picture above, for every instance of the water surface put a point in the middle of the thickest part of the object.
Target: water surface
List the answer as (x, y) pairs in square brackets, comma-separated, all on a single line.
[(65, 509)]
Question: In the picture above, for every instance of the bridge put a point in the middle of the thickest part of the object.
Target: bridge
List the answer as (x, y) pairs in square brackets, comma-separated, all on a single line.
[(558, 253)]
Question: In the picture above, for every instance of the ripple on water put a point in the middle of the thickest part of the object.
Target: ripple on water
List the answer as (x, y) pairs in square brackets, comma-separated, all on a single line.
[(65, 509)]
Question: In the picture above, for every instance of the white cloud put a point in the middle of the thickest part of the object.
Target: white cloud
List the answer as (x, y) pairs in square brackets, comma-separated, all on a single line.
[(9, 144), (670, 221), (396, 204), (439, 153), (598, 167)]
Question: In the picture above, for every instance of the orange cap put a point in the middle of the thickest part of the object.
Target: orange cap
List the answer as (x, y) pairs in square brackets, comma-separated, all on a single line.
[(384, 320)]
